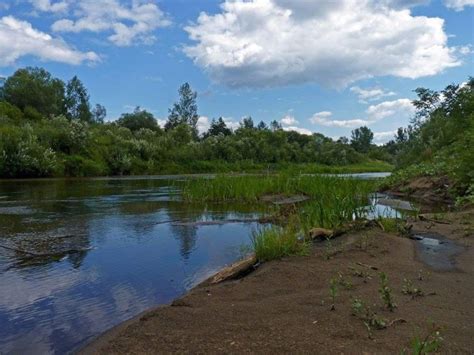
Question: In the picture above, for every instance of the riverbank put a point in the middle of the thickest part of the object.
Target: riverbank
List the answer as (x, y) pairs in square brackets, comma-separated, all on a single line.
[(285, 305)]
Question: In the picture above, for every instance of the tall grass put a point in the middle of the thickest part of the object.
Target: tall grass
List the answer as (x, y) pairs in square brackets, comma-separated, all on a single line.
[(274, 242), (333, 200)]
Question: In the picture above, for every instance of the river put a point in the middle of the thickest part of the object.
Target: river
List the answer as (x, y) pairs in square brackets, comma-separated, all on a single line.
[(80, 256)]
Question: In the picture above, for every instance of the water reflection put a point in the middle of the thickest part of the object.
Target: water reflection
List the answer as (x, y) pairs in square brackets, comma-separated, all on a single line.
[(78, 257)]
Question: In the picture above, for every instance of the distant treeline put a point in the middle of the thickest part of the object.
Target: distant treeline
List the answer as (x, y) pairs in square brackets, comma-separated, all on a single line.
[(49, 128)]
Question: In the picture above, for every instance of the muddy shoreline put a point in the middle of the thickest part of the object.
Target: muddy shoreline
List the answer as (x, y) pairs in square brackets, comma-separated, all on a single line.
[(283, 305)]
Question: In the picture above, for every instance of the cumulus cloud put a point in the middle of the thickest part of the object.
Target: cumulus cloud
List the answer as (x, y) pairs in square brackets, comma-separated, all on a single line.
[(383, 137), (458, 5), (400, 109), (48, 6), (265, 43), (298, 129), (128, 24), (288, 120), (18, 38), (373, 94)]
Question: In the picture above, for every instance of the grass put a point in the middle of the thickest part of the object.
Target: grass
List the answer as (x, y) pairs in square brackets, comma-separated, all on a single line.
[(333, 200), (275, 242)]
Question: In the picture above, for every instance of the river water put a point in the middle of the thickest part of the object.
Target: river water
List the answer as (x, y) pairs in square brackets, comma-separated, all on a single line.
[(80, 256)]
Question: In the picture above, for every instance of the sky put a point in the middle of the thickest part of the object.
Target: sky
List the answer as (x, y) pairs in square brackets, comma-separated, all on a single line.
[(325, 66)]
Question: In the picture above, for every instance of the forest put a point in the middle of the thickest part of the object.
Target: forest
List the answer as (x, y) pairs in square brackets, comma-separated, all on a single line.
[(49, 128)]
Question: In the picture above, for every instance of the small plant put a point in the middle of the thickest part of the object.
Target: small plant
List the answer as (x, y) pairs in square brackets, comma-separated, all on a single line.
[(347, 284), (386, 292), (360, 273), (333, 291), (429, 344), (389, 225), (409, 289), (357, 306), (365, 241), (370, 318)]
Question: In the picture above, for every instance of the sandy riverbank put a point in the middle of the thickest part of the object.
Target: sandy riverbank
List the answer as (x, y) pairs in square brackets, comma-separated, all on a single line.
[(284, 306)]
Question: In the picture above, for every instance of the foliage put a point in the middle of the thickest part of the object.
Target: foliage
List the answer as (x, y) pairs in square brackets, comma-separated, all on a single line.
[(274, 242), (77, 101), (361, 139), (37, 88), (386, 292), (436, 143), (333, 292), (428, 344), (138, 119), (185, 110)]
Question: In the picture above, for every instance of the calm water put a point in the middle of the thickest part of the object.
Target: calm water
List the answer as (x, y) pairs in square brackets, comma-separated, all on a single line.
[(120, 246), (128, 252)]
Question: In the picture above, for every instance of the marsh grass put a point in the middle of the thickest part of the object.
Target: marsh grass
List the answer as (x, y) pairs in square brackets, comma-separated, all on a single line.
[(333, 200), (275, 242)]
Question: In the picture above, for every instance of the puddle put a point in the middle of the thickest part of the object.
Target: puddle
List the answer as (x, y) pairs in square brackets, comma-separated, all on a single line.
[(437, 251)]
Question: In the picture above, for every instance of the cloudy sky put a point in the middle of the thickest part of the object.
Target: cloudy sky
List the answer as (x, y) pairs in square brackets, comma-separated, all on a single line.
[(324, 66)]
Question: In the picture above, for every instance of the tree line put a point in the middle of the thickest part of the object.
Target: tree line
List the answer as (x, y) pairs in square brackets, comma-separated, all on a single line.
[(49, 128)]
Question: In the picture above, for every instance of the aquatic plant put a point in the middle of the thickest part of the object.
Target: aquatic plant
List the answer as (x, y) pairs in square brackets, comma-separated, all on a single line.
[(333, 200), (275, 242)]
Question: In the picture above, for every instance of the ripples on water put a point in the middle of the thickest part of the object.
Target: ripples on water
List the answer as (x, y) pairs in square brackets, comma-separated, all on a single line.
[(126, 253)]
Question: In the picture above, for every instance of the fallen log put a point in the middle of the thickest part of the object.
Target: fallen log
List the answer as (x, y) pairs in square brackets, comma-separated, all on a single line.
[(236, 270)]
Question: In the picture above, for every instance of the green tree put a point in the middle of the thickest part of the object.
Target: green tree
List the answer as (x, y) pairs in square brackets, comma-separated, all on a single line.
[(247, 123), (185, 110), (361, 139), (35, 87), (218, 127), (137, 120), (99, 113), (77, 101)]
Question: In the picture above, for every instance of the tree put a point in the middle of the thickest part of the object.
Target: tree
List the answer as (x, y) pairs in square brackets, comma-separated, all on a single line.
[(99, 113), (137, 120), (185, 110), (361, 139), (36, 88), (275, 126), (247, 123), (77, 101), (262, 126), (218, 127)]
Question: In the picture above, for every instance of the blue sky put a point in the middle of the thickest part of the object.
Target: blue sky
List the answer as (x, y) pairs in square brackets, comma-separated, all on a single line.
[(315, 65)]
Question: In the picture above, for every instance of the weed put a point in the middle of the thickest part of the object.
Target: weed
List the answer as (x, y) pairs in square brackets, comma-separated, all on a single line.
[(359, 272), (365, 241), (347, 284), (409, 289), (333, 292), (370, 318), (386, 292), (429, 344), (271, 243)]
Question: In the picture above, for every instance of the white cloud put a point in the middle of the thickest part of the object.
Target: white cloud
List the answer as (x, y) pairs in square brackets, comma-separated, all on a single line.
[(129, 24), (203, 124), (18, 38), (288, 120), (298, 129), (458, 5), (400, 109), (373, 94), (264, 43), (383, 137), (325, 119), (48, 6)]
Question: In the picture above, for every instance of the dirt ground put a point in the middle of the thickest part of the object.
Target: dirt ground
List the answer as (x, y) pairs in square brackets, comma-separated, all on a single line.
[(284, 306)]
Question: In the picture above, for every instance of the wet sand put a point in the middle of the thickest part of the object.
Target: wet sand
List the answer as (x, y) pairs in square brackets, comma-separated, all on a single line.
[(284, 306)]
